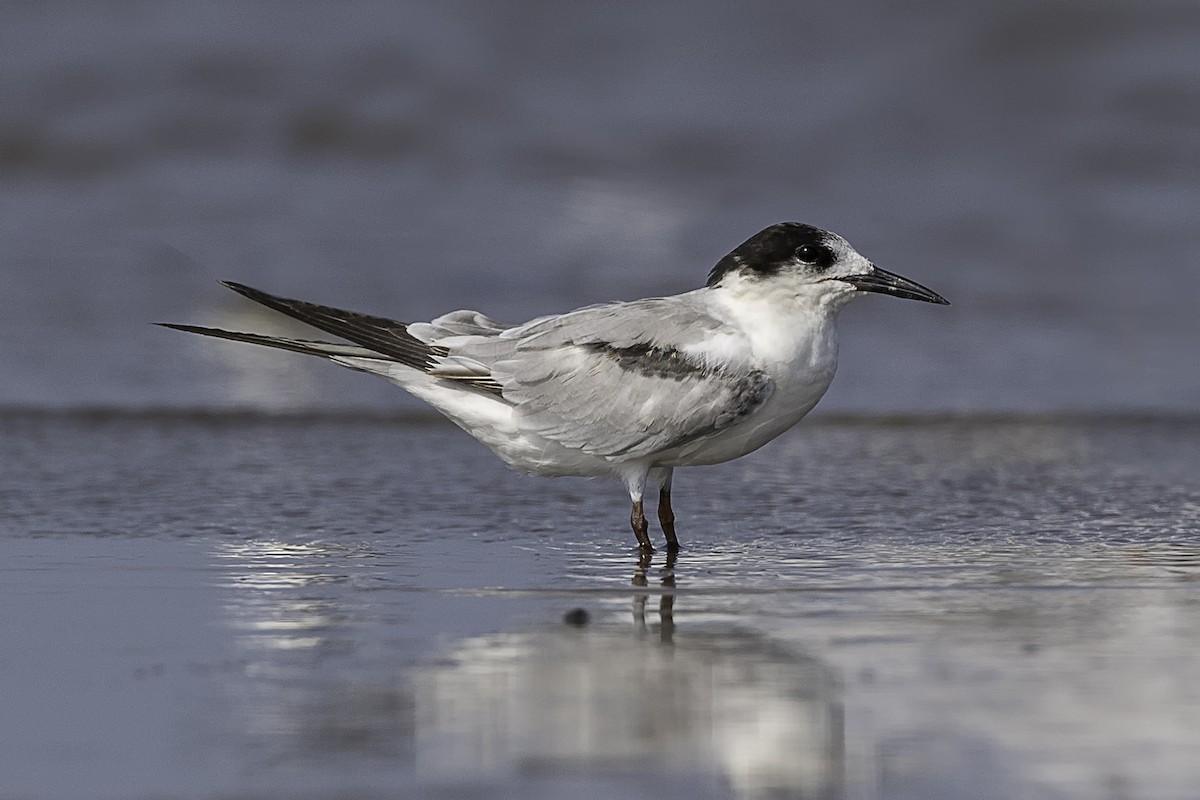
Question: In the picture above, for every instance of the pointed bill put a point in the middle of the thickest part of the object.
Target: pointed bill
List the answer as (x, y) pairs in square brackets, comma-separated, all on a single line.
[(884, 282)]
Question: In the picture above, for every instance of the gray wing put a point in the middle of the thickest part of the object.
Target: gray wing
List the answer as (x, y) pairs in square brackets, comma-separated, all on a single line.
[(623, 380)]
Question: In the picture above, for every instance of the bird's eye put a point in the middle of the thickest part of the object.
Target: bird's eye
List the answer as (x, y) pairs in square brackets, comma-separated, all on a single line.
[(816, 254)]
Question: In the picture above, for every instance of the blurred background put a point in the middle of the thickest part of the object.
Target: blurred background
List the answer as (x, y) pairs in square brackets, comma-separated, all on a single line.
[(1037, 163)]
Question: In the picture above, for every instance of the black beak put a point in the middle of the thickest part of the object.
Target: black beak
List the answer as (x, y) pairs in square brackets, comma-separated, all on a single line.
[(879, 280)]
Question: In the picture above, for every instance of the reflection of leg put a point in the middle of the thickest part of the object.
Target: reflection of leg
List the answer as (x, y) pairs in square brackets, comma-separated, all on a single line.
[(666, 603), (639, 572), (666, 516), (666, 614), (639, 600)]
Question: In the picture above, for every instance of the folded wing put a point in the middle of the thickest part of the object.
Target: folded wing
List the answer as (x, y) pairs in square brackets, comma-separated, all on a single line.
[(619, 381)]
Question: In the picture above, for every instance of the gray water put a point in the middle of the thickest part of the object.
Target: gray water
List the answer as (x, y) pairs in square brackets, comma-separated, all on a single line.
[(227, 573), (327, 607)]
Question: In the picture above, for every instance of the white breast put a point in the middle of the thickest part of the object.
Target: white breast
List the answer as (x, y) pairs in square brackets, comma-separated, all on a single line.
[(796, 345)]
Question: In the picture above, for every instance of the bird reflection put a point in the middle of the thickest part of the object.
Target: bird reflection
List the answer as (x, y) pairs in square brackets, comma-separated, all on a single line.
[(710, 707), (666, 602), (265, 606), (722, 706), (287, 606)]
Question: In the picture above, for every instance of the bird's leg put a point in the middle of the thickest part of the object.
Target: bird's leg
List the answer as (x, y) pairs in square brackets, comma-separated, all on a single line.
[(635, 482), (640, 526), (666, 516)]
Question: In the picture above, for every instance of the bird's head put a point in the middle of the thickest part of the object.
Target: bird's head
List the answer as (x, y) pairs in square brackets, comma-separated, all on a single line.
[(805, 261)]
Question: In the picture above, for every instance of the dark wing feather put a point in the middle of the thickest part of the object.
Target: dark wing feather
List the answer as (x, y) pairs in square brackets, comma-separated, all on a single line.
[(385, 336), (306, 346)]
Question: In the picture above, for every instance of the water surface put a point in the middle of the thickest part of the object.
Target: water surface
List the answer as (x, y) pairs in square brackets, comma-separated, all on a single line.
[(217, 606)]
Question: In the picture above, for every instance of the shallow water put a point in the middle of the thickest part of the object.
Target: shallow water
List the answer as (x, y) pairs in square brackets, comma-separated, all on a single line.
[(242, 606)]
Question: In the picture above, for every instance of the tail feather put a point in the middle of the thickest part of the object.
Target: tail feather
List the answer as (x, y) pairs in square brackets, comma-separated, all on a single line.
[(306, 346), (379, 343), (384, 336)]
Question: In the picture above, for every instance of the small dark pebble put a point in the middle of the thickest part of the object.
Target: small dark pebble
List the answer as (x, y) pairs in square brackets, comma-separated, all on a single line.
[(577, 617)]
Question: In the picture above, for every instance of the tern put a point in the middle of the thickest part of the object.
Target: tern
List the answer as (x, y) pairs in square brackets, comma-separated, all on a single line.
[(629, 390)]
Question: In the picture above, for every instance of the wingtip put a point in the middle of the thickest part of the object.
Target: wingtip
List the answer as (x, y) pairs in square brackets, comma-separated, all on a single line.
[(176, 326), (240, 288)]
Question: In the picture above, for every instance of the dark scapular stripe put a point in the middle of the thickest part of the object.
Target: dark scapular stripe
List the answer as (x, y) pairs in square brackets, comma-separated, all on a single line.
[(651, 361)]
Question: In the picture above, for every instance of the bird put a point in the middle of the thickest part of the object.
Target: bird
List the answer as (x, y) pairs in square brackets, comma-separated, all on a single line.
[(630, 389)]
